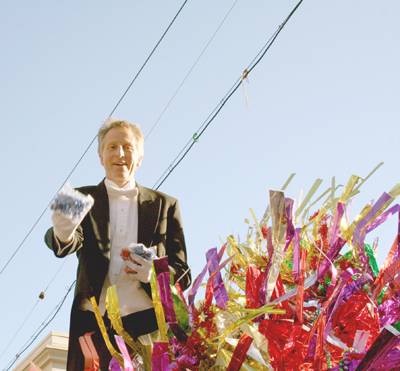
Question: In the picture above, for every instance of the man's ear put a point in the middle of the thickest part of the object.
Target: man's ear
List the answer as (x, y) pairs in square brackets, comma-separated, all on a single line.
[(101, 160), (139, 161)]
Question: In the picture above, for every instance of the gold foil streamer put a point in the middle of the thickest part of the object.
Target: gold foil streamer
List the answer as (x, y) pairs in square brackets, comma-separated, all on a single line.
[(310, 193), (103, 330), (116, 320), (254, 313), (356, 190), (279, 227), (162, 326)]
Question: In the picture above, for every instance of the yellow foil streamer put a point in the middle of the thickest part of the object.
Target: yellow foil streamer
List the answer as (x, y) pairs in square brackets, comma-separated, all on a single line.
[(103, 330), (162, 326), (116, 320)]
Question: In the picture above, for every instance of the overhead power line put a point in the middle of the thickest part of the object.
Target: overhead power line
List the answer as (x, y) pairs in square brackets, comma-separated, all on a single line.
[(219, 107), (93, 140), (46, 322), (190, 71)]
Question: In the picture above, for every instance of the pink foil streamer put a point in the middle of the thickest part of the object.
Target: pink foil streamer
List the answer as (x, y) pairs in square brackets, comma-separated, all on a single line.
[(92, 362), (33, 367), (128, 366), (376, 354), (164, 282), (159, 360), (360, 340), (220, 294), (389, 312), (114, 365)]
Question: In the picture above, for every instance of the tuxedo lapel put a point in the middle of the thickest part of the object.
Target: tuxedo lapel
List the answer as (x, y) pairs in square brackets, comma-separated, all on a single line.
[(149, 211), (100, 217)]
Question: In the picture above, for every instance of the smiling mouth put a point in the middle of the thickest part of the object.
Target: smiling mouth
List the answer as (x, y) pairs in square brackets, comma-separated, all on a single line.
[(119, 164)]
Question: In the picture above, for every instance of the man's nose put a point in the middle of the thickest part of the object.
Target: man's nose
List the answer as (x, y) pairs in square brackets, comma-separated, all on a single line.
[(120, 151)]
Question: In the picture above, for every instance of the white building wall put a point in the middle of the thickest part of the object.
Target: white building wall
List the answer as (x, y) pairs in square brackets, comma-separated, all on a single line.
[(49, 355)]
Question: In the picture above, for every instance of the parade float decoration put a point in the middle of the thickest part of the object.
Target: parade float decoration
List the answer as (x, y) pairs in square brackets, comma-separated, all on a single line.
[(300, 291)]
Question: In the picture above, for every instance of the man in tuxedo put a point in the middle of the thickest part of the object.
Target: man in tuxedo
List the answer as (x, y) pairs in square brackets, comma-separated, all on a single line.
[(124, 215)]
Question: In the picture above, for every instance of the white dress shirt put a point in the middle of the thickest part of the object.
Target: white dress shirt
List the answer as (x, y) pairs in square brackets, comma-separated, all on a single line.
[(123, 231)]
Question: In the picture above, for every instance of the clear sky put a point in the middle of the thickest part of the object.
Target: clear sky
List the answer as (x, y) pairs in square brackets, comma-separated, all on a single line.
[(324, 102)]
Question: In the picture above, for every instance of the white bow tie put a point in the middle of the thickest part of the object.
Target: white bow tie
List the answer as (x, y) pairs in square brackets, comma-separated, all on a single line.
[(118, 192)]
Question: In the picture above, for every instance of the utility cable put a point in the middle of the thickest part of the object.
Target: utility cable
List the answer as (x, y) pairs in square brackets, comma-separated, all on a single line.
[(41, 297), (93, 140), (190, 71), (41, 328), (182, 154)]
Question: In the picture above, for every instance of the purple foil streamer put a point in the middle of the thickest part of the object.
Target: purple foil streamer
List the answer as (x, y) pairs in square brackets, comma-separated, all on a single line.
[(193, 291), (164, 282), (211, 279), (397, 254), (128, 365), (336, 301), (389, 311), (114, 365), (378, 351), (220, 294), (159, 360), (355, 286), (184, 359), (383, 217), (360, 232), (289, 203), (296, 255), (335, 243)]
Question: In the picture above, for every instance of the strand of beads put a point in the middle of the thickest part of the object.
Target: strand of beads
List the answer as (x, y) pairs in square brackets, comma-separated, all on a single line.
[(344, 363)]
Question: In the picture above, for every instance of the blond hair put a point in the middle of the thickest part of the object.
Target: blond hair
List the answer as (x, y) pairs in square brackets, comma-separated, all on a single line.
[(112, 123)]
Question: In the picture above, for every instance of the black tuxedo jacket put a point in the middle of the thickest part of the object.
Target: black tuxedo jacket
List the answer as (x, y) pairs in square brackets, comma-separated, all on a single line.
[(159, 224)]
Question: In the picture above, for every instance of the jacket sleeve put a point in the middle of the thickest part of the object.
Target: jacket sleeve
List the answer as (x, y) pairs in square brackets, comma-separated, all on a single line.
[(60, 249), (176, 247)]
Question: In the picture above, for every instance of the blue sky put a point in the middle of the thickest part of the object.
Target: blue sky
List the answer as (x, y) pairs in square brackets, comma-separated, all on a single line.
[(323, 103)]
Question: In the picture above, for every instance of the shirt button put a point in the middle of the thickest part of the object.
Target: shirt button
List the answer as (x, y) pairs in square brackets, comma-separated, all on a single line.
[(121, 230), (122, 210)]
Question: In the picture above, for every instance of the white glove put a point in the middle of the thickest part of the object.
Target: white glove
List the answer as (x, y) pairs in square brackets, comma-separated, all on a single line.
[(70, 207), (64, 227), (143, 267)]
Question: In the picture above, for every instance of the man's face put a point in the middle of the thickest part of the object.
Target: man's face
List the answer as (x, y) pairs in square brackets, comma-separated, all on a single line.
[(119, 157)]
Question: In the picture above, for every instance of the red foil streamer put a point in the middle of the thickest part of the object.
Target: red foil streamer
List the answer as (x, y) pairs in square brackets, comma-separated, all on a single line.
[(319, 350), (240, 352), (299, 319), (354, 315), (279, 291), (159, 360), (380, 280), (277, 334), (253, 285)]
